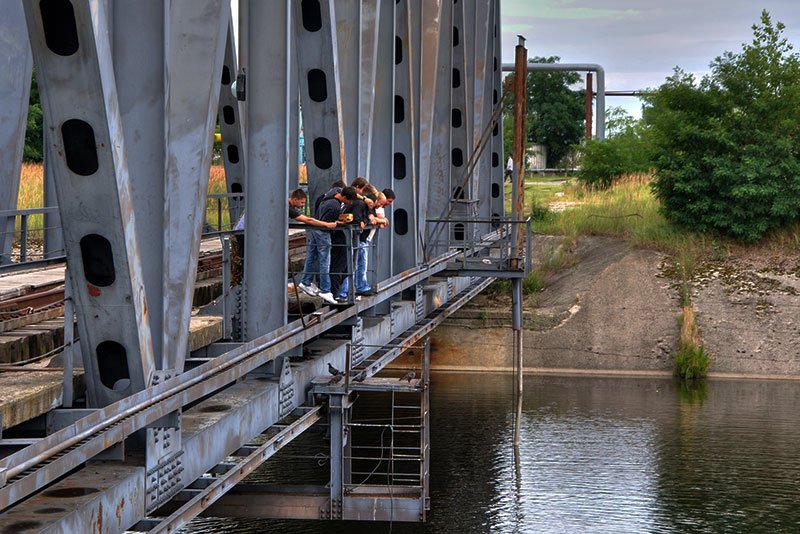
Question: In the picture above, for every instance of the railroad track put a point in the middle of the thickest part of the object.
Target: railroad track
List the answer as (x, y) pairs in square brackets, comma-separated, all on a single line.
[(46, 301)]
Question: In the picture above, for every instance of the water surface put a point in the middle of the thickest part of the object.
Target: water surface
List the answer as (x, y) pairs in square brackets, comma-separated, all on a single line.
[(596, 455)]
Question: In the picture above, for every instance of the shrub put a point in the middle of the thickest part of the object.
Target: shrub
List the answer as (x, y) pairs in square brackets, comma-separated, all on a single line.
[(725, 149)]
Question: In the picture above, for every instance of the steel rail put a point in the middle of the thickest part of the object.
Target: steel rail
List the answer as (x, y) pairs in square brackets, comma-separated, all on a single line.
[(27, 471)]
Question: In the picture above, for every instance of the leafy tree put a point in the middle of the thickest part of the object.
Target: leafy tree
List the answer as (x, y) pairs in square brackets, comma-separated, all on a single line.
[(33, 150), (555, 113), (625, 151), (726, 148)]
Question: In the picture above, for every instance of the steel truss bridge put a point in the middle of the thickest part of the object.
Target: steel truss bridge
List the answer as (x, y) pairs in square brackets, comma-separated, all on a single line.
[(405, 93)]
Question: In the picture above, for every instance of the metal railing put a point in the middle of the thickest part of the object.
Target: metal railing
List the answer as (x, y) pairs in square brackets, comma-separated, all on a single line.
[(490, 252), (26, 242)]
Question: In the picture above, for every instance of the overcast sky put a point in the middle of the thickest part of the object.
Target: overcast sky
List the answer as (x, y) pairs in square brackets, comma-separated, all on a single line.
[(638, 42)]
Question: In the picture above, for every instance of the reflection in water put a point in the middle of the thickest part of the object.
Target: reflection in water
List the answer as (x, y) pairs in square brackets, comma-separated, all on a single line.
[(596, 455)]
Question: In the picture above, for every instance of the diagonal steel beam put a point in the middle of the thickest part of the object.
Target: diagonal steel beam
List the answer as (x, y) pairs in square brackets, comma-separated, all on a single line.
[(231, 128), (72, 53), (195, 46)]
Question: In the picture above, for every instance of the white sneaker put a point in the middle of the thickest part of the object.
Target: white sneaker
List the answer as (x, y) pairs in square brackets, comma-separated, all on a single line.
[(328, 297), (310, 289)]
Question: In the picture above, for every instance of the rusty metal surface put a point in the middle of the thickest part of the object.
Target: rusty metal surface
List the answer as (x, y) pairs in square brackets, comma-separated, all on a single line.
[(518, 180), (589, 98)]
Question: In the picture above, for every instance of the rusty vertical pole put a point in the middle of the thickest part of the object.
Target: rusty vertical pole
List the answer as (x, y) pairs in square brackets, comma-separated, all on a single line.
[(518, 179), (589, 97), (518, 203)]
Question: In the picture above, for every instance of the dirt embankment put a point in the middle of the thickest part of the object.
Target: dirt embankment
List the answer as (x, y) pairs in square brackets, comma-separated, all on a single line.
[(615, 308)]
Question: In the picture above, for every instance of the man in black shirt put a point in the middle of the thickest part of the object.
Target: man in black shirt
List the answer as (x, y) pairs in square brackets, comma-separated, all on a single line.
[(328, 212), (360, 211), (339, 248), (297, 201)]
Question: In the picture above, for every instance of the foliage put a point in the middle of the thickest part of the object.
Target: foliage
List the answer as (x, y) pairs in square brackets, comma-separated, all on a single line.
[(555, 112), (726, 148), (33, 150), (626, 151), (691, 363), (691, 359)]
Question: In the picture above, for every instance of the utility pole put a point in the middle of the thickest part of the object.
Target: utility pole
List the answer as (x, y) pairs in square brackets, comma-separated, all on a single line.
[(518, 200)]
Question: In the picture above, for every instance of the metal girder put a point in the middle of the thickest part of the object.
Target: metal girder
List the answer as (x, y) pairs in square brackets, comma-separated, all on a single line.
[(268, 126), (206, 497), (470, 7), (439, 159), (108, 497), (294, 110), (15, 84), (320, 93), (231, 128), (72, 53), (305, 502), (382, 131), (460, 133), (406, 245), (195, 47), (26, 471), (138, 47), (498, 161), (484, 85), (430, 28), (349, 54), (368, 91)]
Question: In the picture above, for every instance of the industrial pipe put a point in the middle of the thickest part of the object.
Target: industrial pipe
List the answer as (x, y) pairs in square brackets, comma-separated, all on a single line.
[(600, 120)]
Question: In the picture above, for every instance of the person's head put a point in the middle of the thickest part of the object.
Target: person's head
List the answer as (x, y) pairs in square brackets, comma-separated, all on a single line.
[(360, 183), (390, 196), (380, 200), (370, 189), (298, 198), (338, 183), (347, 195)]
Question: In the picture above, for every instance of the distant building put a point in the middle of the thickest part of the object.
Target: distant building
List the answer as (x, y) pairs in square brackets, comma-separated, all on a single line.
[(536, 157)]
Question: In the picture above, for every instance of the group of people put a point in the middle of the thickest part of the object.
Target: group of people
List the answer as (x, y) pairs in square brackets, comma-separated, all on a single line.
[(326, 245)]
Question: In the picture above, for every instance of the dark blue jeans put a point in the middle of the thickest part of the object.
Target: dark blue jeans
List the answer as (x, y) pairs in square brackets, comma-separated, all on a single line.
[(318, 255)]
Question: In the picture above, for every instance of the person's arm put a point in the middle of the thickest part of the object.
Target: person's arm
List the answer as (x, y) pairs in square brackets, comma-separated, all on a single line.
[(311, 221), (366, 200)]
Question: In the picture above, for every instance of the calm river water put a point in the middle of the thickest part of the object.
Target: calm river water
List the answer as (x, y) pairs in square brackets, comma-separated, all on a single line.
[(597, 455)]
